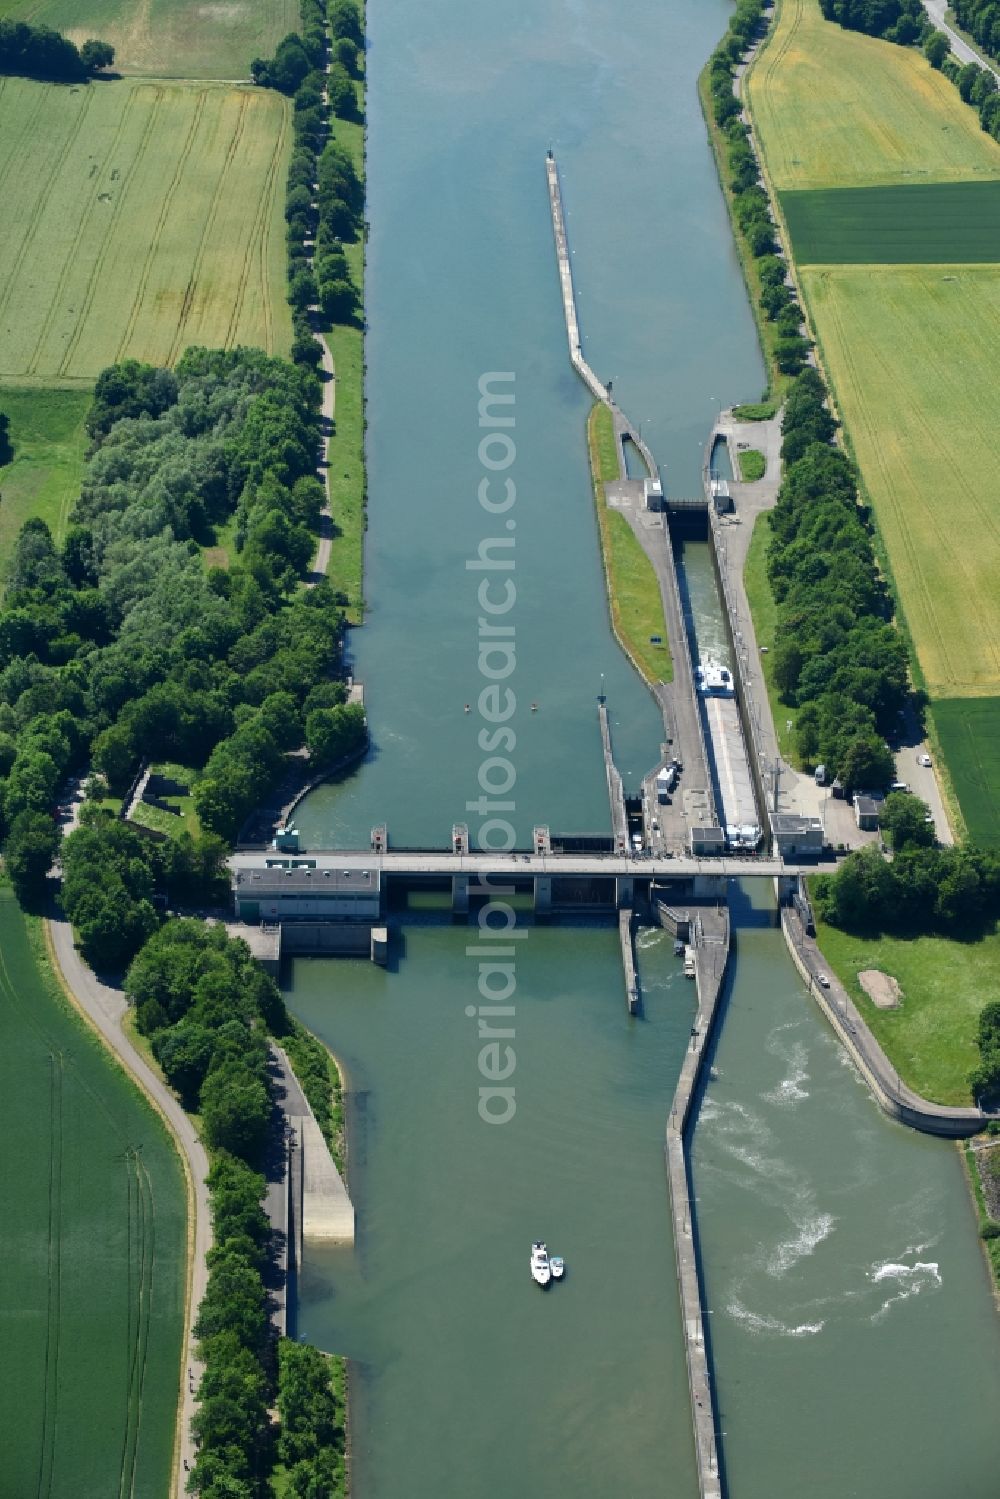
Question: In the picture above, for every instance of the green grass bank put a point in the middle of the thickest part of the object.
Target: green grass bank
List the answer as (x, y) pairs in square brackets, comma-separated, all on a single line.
[(633, 591), (49, 442)]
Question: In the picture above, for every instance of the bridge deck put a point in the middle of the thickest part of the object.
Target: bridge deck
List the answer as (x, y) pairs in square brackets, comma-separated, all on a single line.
[(441, 862)]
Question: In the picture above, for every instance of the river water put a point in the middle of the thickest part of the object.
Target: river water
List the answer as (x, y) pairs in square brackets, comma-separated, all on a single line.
[(813, 1210)]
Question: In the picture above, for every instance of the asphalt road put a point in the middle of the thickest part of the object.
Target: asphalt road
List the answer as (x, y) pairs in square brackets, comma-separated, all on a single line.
[(936, 10), (104, 1008)]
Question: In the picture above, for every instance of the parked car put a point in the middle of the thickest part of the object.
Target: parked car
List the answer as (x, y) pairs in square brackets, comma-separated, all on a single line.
[(823, 979), (924, 760)]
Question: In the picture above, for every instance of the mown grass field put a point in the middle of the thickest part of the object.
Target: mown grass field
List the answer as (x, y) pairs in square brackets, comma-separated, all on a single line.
[(43, 479), (931, 1038), (969, 731), (633, 592), (911, 352), (928, 223), (94, 1237), (835, 108), (139, 218), (170, 38)]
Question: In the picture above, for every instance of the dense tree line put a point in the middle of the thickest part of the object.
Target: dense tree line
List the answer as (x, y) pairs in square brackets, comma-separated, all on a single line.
[(208, 1010), (121, 645), (311, 1443), (984, 1080), (206, 1006), (952, 891), (750, 203), (39, 52), (837, 655)]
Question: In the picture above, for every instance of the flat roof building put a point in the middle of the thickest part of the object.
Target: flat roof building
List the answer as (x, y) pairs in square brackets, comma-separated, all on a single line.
[(796, 836), (290, 890)]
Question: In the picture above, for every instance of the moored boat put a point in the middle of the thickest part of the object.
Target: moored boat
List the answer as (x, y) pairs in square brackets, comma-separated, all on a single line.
[(557, 1265), (541, 1270)]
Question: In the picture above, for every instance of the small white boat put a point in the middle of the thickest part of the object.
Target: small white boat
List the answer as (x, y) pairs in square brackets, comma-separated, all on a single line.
[(558, 1266), (541, 1270)]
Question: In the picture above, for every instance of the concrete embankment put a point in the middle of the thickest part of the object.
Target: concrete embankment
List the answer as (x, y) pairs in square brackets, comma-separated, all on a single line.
[(324, 1209), (892, 1095), (710, 939)]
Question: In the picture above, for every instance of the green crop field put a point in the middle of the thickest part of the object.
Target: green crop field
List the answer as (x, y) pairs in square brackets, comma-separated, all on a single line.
[(912, 356), (138, 218), (969, 730), (835, 108), (170, 38), (94, 1244), (926, 223), (49, 442)]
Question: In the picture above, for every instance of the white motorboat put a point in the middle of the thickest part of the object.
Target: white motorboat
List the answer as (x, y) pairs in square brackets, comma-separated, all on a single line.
[(541, 1270), (558, 1266), (712, 679)]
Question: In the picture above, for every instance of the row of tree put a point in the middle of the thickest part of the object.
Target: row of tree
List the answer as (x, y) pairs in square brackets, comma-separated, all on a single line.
[(751, 208), (837, 655), (907, 23), (951, 891), (39, 52)]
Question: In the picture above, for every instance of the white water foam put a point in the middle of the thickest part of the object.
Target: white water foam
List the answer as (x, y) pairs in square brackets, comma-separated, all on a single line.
[(790, 1251), (910, 1280), (762, 1322)]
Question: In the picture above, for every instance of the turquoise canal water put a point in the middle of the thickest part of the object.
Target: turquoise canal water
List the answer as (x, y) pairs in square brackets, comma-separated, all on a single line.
[(855, 1343)]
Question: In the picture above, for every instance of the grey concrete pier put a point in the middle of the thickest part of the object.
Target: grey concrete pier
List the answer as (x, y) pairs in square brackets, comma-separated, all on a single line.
[(709, 935), (628, 959), (623, 427), (616, 795)]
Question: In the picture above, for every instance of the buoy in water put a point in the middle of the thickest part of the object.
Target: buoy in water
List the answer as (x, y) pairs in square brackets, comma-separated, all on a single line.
[(534, 707)]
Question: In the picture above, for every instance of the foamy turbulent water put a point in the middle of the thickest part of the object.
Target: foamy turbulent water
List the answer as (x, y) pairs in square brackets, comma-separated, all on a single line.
[(840, 1260)]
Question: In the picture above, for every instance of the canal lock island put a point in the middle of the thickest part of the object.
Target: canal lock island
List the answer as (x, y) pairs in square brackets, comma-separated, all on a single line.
[(501, 850)]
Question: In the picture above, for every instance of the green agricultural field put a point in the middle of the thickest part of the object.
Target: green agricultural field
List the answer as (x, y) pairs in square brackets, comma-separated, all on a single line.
[(138, 218), (931, 1038), (835, 108), (927, 223), (94, 1250), (170, 38), (969, 731), (911, 352), (49, 442)]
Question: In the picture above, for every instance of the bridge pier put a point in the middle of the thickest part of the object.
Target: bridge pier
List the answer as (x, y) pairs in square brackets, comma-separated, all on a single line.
[(543, 894), (460, 895)]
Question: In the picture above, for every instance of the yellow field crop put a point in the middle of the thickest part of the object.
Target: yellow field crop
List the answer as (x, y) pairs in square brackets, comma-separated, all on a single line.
[(138, 218), (911, 352), (834, 108)]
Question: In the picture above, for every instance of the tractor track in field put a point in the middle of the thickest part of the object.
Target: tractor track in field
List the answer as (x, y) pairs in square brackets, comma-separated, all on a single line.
[(257, 241), (165, 207), (26, 133), (70, 258), (142, 1219), (42, 199), (50, 1403), (110, 237), (209, 225)]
